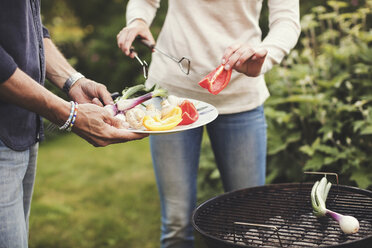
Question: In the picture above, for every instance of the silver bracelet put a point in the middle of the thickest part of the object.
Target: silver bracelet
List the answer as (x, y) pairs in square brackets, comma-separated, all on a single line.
[(71, 81)]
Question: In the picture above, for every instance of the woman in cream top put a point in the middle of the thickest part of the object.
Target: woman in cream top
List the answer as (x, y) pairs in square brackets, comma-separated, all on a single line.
[(211, 32)]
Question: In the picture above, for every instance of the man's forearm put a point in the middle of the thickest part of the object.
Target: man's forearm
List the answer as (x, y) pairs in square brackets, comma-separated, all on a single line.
[(58, 70), (23, 91)]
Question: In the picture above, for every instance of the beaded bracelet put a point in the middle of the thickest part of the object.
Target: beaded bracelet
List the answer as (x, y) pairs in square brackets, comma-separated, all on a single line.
[(73, 118), (67, 123)]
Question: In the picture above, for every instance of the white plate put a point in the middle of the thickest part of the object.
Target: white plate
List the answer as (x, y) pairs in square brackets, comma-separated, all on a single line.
[(207, 114)]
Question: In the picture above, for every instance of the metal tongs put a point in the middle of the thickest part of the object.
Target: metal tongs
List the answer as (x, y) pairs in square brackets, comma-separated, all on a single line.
[(183, 63), (142, 62)]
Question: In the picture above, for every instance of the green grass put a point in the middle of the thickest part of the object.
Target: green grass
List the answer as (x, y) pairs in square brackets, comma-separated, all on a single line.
[(94, 197), (87, 197)]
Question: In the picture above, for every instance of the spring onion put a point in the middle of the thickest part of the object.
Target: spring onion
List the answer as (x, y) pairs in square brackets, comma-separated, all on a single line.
[(319, 193), (126, 104), (128, 92)]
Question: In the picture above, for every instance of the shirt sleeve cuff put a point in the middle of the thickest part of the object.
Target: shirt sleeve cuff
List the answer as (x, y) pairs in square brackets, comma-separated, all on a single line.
[(7, 65), (46, 33), (142, 9)]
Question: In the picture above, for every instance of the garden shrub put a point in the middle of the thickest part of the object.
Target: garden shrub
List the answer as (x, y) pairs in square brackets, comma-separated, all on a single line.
[(320, 112)]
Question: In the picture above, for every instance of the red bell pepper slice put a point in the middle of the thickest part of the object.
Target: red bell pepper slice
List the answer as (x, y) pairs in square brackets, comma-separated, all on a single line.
[(217, 80), (189, 113)]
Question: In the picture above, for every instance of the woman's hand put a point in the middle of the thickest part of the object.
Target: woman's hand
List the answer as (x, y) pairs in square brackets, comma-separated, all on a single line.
[(128, 34), (97, 126), (88, 91), (244, 58)]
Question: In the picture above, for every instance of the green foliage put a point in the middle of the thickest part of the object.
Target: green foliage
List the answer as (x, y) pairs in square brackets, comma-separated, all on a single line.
[(320, 112), (85, 31)]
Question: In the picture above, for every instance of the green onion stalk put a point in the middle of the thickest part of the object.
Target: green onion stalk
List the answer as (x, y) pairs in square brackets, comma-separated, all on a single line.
[(319, 194), (128, 100), (124, 104)]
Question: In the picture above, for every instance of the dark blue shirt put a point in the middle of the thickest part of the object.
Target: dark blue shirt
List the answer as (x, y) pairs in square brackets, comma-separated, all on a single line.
[(21, 46)]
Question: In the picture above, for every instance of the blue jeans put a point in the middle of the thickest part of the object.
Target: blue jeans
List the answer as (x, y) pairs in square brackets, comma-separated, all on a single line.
[(17, 176), (239, 146)]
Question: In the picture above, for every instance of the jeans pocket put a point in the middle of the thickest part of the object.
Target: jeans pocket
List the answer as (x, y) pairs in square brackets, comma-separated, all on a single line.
[(13, 166)]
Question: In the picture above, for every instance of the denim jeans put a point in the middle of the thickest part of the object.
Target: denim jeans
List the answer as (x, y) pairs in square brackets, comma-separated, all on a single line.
[(17, 176), (239, 146)]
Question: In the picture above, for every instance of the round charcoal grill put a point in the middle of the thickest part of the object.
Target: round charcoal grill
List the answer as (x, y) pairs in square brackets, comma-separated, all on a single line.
[(280, 215)]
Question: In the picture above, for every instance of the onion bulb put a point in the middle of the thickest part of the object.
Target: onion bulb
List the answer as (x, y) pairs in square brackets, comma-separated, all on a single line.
[(348, 224)]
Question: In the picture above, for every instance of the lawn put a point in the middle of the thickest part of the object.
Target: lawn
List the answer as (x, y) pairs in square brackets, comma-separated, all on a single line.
[(88, 197), (94, 197)]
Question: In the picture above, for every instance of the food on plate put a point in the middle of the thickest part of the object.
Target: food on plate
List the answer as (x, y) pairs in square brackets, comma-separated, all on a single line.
[(319, 193), (169, 121), (124, 104), (174, 100), (166, 107), (134, 117), (132, 91), (217, 80), (134, 112), (176, 111), (151, 110), (189, 113), (123, 119)]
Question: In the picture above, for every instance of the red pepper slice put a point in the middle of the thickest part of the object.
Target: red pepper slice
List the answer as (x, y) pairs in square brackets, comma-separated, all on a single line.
[(189, 113), (217, 80)]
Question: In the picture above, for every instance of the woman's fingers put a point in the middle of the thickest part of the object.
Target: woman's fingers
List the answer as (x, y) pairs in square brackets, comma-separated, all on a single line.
[(230, 50), (241, 56), (125, 40), (244, 58), (128, 34), (260, 54), (121, 38), (238, 56)]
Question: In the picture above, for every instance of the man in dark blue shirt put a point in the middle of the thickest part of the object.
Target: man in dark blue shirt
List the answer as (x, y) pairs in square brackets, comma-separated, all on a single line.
[(27, 56)]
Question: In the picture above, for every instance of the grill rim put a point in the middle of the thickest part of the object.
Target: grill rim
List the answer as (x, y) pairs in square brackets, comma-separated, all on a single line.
[(199, 208)]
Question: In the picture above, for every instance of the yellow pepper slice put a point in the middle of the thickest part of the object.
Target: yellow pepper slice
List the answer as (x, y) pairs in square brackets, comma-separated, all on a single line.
[(175, 111), (168, 122)]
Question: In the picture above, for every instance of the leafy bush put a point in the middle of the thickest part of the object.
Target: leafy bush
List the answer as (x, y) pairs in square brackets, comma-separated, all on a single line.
[(320, 112)]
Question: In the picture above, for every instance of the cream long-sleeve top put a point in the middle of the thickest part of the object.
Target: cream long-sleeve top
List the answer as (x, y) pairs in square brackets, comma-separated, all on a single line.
[(201, 30)]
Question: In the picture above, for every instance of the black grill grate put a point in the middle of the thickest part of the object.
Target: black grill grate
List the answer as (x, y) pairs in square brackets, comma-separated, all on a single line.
[(288, 208)]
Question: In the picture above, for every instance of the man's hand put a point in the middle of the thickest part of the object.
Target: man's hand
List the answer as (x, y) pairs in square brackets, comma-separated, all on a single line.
[(93, 123), (88, 91), (99, 128), (128, 34), (244, 58)]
